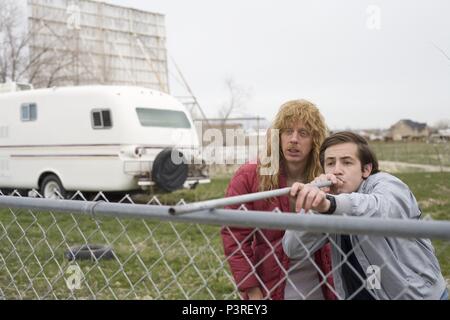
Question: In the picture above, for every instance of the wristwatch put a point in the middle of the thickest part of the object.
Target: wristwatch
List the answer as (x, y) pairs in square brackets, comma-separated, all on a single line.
[(332, 204)]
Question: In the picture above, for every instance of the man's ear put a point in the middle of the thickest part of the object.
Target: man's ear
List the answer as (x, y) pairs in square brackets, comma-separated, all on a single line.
[(367, 169)]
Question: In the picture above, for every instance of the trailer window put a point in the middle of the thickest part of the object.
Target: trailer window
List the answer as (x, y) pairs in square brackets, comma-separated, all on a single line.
[(28, 112), (101, 119), (106, 117), (163, 118)]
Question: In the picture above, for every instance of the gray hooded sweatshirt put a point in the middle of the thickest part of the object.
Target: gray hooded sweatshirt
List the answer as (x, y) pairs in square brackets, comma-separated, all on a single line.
[(408, 268)]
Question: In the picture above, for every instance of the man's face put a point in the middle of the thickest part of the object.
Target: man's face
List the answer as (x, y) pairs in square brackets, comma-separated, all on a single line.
[(296, 142), (342, 161)]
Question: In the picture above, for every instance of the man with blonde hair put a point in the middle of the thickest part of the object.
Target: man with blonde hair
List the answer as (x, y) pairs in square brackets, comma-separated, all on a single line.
[(257, 261)]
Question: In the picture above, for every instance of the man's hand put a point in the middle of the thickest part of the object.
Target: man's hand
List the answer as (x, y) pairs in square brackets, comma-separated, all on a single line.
[(310, 197), (255, 293), (337, 183)]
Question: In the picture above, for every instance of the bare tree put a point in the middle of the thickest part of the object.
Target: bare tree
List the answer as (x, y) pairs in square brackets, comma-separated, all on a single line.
[(443, 123), (22, 59), (238, 96), (12, 46), (441, 51)]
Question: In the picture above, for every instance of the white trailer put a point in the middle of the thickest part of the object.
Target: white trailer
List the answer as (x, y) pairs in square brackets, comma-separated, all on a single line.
[(96, 138)]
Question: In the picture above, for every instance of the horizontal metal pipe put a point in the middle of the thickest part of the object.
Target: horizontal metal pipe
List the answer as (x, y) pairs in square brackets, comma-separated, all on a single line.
[(229, 201), (384, 227)]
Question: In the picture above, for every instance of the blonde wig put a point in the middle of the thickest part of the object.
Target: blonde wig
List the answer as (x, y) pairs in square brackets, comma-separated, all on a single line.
[(290, 113)]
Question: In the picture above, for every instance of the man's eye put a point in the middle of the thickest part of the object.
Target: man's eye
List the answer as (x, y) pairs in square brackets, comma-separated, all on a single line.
[(304, 133), (329, 163)]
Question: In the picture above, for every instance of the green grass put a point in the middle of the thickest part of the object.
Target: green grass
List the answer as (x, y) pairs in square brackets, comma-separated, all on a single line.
[(413, 152), (155, 260), (432, 191)]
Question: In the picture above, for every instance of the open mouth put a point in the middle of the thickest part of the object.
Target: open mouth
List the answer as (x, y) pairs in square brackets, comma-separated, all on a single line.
[(293, 151)]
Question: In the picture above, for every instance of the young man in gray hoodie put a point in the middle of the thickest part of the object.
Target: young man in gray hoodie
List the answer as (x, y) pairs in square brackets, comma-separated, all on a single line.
[(403, 268)]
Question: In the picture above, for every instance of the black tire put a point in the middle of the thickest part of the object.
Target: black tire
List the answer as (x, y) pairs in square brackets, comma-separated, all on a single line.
[(89, 252), (52, 181), (168, 175)]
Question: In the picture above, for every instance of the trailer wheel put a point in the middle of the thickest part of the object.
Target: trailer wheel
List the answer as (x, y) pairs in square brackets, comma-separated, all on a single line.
[(51, 188), (168, 175)]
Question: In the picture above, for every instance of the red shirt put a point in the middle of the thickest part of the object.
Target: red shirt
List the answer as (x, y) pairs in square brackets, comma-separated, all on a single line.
[(262, 249)]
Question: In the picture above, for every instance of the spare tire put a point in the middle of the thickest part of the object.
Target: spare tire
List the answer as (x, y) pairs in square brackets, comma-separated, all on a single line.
[(89, 252), (168, 175)]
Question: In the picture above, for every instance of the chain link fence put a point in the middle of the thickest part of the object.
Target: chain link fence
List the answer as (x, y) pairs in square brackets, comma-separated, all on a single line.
[(79, 249)]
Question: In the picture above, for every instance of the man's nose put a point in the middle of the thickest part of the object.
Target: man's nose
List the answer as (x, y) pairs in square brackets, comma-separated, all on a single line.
[(294, 138), (337, 170)]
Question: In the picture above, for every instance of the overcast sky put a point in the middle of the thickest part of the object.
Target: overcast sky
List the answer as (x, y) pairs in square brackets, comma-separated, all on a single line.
[(361, 71)]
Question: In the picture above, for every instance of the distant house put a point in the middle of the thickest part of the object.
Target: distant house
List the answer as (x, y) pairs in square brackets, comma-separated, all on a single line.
[(364, 134), (372, 135), (442, 135), (409, 130), (376, 137)]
